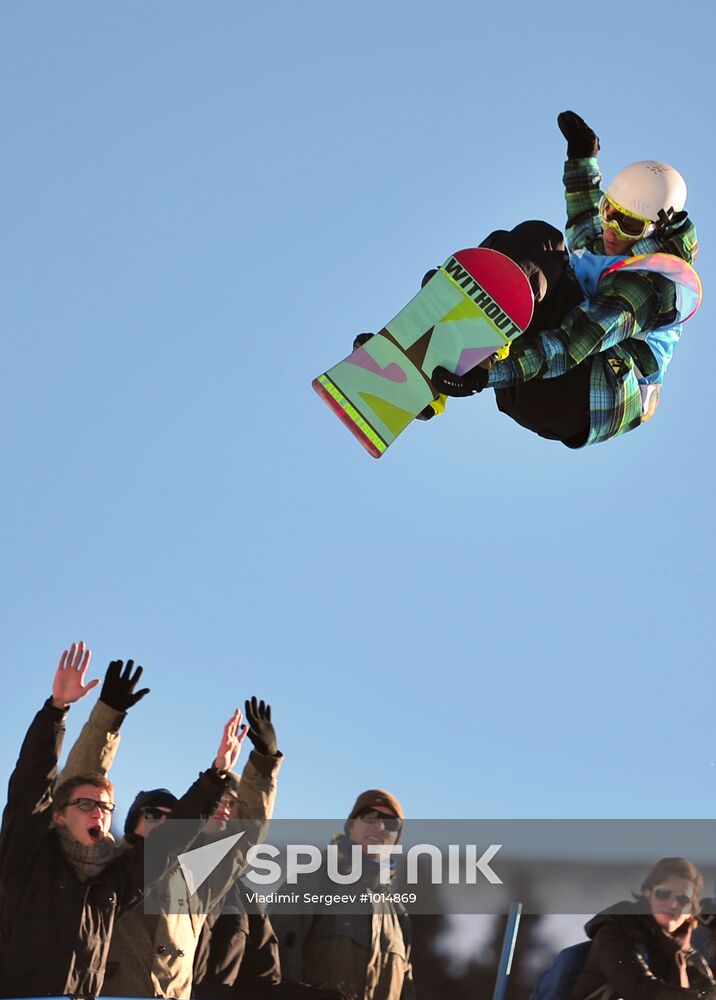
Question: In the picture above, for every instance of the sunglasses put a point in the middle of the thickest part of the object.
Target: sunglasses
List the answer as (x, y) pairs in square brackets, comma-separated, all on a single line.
[(372, 817), (663, 894), (87, 805), (626, 225), (155, 813)]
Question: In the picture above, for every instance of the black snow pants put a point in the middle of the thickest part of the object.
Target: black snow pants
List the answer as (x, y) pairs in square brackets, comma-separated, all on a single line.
[(554, 408)]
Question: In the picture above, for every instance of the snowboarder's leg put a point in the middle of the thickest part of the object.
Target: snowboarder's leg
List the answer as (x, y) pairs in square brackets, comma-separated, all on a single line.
[(539, 249)]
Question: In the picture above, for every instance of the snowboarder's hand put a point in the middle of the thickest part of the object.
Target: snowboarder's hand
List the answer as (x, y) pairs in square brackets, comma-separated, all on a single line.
[(459, 385), (119, 684), (261, 731), (361, 339), (581, 140)]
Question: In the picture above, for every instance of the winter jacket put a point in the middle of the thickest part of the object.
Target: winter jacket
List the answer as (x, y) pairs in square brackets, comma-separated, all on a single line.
[(152, 954), (96, 746), (237, 952), (632, 958), (55, 929), (366, 953)]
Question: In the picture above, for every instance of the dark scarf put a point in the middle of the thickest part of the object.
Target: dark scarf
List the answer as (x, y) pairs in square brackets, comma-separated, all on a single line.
[(86, 862)]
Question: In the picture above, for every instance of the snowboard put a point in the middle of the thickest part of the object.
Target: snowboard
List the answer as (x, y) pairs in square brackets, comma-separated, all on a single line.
[(476, 303)]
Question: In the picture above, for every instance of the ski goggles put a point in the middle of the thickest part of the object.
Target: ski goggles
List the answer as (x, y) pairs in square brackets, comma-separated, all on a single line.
[(89, 805), (627, 225), (663, 894)]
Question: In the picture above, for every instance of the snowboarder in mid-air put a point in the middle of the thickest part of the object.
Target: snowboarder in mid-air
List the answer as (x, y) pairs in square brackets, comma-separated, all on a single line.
[(609, 306)]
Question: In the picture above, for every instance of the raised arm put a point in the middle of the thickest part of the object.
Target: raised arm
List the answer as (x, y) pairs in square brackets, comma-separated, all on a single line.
[(96, 746), (27, 813), (582, 182), (257, 789)]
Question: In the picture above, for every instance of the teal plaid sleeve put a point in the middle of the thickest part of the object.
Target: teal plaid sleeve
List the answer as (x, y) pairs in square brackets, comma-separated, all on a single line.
[(582, 191), (628, 303)]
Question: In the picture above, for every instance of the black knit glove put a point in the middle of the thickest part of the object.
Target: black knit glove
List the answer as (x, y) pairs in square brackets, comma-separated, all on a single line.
[(581, 140), (119, 684), (261, 731), (459, 385)]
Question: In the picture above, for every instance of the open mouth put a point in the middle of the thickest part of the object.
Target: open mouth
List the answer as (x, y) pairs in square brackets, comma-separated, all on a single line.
[(95, 833)]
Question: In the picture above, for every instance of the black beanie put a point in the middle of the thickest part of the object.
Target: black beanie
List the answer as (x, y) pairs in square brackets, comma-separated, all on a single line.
[(154, 797)]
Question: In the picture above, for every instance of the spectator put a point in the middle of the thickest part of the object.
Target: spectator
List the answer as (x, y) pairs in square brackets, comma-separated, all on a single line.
[(642, 950), (153, 954), (365, 953), (61, 885)]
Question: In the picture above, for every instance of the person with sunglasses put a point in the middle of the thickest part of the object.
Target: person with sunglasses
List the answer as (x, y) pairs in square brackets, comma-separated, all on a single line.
[(642, 950), (155, 954), (364, 953), (62, 882), (608, 314)]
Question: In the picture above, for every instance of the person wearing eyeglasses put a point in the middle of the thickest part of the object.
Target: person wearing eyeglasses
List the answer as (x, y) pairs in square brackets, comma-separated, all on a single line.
[(642, 950), (62, 883), (366, 953), (608, 314)]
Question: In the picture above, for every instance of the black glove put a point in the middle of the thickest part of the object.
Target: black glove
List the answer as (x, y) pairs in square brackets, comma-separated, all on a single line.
[(361, 339), (581, 140), (118, 688), (459, 385), (261, 731)]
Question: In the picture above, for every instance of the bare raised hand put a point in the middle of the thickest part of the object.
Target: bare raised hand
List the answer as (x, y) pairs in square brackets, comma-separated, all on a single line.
[(231, 740), (69, 685)]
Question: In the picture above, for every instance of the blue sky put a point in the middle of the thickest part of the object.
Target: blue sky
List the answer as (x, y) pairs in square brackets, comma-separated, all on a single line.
[(201, 205)]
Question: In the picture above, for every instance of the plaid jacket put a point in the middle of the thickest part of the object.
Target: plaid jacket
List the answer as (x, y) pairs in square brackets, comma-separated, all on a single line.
[(604, 327)]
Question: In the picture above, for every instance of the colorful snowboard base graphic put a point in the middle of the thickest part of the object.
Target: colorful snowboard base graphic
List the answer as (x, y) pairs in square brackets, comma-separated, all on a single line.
[(477, 302)]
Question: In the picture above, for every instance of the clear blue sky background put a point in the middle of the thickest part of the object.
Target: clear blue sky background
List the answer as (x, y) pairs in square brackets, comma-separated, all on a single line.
[(201, 204)]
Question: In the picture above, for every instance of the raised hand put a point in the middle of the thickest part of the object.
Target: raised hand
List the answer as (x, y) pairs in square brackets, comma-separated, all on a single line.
[(582, 141), (261, 730), (231, 740), (69, 685), (119, 684)]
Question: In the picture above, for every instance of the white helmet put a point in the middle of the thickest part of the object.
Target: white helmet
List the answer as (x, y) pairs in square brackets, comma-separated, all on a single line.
[(649, 189)]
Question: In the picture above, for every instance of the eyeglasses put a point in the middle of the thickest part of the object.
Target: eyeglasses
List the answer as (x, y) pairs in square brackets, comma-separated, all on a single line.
[(87, 805), (372, 817), (155, 813), (625, 224), (663, 894)]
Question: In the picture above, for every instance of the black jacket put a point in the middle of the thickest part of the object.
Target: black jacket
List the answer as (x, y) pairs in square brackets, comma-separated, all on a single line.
[(55, 929), (632, 958), (237, 954)]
